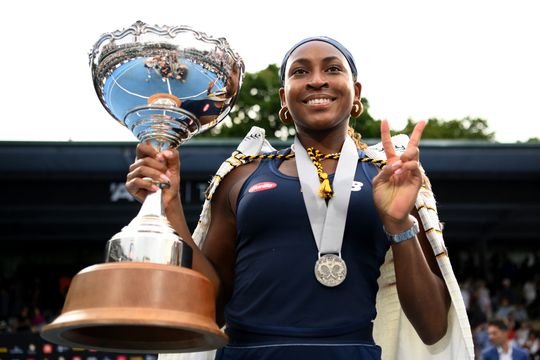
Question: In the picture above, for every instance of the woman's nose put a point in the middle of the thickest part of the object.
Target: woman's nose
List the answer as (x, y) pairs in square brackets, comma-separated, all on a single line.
[(317, 80)]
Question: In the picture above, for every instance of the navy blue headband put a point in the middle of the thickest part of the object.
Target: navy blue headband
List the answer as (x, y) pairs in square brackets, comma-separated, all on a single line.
[(325, 39)]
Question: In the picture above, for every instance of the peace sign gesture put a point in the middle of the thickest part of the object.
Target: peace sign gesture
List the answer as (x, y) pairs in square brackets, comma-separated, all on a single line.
[(396, 187)]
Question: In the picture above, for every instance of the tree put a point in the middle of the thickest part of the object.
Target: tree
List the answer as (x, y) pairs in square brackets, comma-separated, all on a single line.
[(365, 124), (466, 128), (258, 104)]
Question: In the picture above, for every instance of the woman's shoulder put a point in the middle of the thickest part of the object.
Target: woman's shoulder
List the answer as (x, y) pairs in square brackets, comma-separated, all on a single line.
[(230, 186), (243, 171)]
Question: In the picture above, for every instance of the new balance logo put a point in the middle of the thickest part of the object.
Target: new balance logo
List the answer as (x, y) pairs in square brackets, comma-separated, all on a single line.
[(357, 186)]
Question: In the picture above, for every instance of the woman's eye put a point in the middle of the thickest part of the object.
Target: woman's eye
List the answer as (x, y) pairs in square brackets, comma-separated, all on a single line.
[(334, 68), (298, 71)]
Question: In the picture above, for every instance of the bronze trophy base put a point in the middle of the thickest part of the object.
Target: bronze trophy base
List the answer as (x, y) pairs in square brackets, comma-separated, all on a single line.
[(138, 307)]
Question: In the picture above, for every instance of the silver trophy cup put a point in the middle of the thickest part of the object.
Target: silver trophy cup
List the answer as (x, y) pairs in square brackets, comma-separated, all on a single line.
[(165, 84)]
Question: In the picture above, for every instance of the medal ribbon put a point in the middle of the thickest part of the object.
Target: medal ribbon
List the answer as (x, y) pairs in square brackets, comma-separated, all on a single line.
[(327, 222)]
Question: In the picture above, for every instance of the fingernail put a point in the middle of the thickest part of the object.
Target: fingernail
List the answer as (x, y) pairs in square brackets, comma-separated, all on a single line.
[(168, 154), (164, 178), (154, 188), (397, 164), (398, 171), (168, 173), (160, 158)]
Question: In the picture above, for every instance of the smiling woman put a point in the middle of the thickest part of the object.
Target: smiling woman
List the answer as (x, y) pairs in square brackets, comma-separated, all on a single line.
[(297, 238), (319, 86)]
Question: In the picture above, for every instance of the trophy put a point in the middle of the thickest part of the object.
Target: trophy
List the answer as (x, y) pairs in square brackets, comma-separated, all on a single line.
[(165, 84)]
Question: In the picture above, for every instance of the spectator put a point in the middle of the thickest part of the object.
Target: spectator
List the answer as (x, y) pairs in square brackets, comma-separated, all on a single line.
[(511, 325), (475, 313), (520, 313), (504, 309), (481, 338), (529, 291), (522, 334), (38, 320), (484, 298), (533, 345), (502, 349), (23, 323)]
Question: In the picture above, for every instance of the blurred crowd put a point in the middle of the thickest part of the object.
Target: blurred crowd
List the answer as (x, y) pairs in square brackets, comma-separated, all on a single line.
[(505, 289), (30, 299), (500, 287)]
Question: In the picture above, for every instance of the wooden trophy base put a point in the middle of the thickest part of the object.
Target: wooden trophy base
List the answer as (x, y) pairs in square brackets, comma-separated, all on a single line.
[(138, 308)]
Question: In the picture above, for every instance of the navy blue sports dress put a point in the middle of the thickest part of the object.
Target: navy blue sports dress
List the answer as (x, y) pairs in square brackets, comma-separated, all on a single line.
[(278, 309)]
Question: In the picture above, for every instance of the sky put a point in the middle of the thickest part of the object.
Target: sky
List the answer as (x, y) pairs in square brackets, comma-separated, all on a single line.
[(416, 59)]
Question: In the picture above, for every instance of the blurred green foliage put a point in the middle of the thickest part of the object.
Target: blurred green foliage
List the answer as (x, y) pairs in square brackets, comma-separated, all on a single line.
[(258, 104)]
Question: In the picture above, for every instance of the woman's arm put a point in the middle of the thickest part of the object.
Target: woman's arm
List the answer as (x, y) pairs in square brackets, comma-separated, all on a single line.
[(220, 244), (421, 290)]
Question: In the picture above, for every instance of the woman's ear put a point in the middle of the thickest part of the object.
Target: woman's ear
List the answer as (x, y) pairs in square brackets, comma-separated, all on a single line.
[(282, 97), (357, 91)]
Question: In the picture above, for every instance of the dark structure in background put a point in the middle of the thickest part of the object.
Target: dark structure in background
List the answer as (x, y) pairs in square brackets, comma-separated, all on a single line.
[(61, 202)]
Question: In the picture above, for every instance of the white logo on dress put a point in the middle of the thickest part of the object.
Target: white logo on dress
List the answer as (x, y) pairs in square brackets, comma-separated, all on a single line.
[(357, 186)]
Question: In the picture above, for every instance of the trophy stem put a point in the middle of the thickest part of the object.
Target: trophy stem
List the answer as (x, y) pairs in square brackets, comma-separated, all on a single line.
[(152, 205), (149, 237), (162, 125)]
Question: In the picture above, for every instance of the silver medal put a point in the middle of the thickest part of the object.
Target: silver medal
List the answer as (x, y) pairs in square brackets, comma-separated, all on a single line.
[(327, 220), (330, 270)]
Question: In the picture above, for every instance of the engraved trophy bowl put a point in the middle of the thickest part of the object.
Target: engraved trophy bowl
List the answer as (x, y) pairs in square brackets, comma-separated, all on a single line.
[(166, 84)]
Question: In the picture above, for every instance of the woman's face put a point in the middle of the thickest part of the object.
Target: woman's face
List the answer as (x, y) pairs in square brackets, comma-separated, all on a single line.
[(319, 89)]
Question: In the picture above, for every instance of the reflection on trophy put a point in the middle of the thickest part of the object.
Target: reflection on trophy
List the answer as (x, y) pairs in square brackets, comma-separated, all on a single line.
[(165, 84)]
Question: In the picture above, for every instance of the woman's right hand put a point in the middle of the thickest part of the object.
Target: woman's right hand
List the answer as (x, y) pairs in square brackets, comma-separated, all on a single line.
[(160, 166)]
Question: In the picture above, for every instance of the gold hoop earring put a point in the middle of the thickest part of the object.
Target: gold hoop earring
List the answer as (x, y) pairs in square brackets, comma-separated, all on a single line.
[(357, 109), (285, 116)]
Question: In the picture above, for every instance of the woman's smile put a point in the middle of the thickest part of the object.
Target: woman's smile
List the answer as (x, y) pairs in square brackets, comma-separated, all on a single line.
[(319, 101)]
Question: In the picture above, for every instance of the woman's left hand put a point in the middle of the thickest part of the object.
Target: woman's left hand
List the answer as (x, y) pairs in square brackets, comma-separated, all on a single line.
[(396, 187)]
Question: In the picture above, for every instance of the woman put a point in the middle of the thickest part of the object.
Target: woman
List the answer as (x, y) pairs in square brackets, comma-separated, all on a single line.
[(273, 221)]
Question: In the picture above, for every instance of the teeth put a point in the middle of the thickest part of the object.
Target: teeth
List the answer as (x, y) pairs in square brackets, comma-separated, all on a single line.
[(319, 101)]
